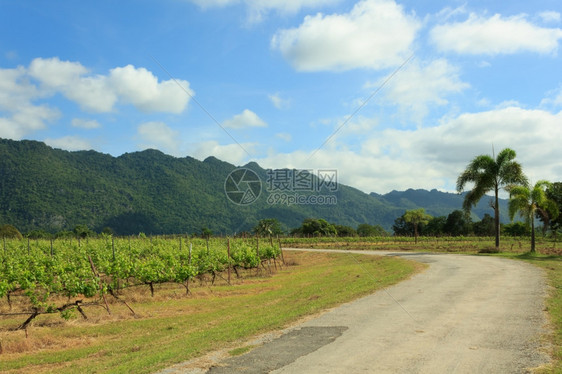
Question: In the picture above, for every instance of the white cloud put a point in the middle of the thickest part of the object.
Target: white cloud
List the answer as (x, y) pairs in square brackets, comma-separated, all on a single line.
[(69, 143), (93, 94), (18, 115), (245, 119), (284, 136), (434, 157), (15, 89), (553, 98), (418, 86), (550, 16), (257, 9), (19, 90), (140, 87), (278, 101), (159, 136), (85, 124), (26, 119), (376, 34), (55, 73), (236, 154), (495, 35), (100, 93)]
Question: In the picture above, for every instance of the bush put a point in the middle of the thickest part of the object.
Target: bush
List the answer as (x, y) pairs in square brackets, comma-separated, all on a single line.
[(9, 231)]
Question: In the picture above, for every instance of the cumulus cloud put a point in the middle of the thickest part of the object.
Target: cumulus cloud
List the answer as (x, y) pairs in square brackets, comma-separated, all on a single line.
[(26, 119), (100, 93), (245, 119), (433, 157), (495, 35), (85, 124), (15, 89), (22, 87), (18, 115), (158, 135), (56, 73), (141, 88), (236, 154), (375, 34), (69, 143), (421, 85), (90, 92)]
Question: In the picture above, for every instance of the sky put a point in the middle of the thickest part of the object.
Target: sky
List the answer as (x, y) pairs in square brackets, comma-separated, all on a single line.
[(391, 94)]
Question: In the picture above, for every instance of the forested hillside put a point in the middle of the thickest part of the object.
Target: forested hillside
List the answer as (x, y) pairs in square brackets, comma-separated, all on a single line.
[(150, 192)]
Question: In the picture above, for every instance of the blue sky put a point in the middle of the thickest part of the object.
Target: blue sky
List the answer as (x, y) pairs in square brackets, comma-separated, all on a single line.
[(392, 94)]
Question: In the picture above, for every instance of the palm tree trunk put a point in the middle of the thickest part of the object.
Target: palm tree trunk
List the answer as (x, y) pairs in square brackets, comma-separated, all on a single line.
[(497, 219), (532, 233)]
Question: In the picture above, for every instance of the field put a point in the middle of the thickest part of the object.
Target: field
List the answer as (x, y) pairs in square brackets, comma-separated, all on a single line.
[(150, 303), (147, 304), (457, 244)]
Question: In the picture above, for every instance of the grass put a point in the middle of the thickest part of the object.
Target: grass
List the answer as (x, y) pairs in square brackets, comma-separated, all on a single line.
[(171, 328)]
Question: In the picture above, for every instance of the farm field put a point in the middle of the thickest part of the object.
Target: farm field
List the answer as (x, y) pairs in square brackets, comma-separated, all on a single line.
[(173, 299), (457, 244)]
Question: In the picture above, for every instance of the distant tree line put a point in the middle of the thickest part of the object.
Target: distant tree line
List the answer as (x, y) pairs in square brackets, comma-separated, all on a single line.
[(457, 223)]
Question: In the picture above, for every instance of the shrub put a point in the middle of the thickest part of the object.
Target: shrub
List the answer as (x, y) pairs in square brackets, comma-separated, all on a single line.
[(9, 231)]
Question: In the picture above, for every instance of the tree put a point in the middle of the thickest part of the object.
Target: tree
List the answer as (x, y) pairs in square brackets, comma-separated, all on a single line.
[(517, 229), (107, 231), (458, 223), (206, 232), (485, 227), (529, 202), (316, 227), (416, 217), (435, 226), (365, 230), (345, 231), (268, 227), (402, 228), (490, 175), (39, 234), (554, 193), (82, 231)]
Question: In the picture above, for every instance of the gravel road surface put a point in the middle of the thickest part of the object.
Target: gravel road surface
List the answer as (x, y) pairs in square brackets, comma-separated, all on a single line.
[(464, 314)]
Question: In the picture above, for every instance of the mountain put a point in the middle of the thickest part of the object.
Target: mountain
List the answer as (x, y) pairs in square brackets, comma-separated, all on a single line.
[(154, 193), (438, 203)]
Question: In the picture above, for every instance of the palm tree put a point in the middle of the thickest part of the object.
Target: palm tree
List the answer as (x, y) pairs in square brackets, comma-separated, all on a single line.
[(530, 202), (489, 175)]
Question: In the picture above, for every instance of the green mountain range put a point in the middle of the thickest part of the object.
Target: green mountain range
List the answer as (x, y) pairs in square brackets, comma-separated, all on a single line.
[(154, 193)]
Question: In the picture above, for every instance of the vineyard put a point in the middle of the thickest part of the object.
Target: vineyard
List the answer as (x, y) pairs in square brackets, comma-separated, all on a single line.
[(86, 272)]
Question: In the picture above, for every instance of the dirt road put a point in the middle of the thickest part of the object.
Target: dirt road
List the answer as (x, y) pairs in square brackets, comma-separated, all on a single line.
[(464, 314)]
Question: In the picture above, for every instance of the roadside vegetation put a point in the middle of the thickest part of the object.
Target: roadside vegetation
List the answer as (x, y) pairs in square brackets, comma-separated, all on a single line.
[(171, 327)]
